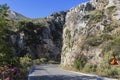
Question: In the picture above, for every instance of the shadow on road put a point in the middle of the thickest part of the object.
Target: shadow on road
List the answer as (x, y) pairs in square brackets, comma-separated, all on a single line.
[(64, 77)]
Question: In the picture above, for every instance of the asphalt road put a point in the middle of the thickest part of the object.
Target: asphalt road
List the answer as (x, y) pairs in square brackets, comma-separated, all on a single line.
[(52, 72)]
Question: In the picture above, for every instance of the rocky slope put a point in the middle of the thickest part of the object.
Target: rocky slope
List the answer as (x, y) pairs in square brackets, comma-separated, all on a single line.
[(84, 26), (91, 36)]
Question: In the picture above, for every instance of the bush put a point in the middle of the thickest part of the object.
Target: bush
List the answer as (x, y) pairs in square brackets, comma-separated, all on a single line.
[(111, 8), (52, 62), (116, 41), (90, 68), (26, 60), (96, 16), (79, 63), (68, 33), (10, 73), (36, 61), (94, 41), (106, 37), (43, 60), (113, 72)]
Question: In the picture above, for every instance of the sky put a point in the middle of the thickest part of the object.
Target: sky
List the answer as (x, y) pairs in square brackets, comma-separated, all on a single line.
[(40, 8)]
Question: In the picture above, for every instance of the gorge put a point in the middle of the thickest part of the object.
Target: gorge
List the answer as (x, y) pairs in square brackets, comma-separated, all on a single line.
[(85, 37)]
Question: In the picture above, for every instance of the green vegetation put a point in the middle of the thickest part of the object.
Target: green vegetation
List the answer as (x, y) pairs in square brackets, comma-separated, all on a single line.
[(90, 68), (110, 27), (67, 32), (108, 40), (79, 62), (96, 15), (6, 51), (94, 41), (106, 37), (31, 32), (111, 8), (8, 61), (64, 51)]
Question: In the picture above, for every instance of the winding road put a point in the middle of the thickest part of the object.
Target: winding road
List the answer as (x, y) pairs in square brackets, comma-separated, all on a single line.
[(52, 72)]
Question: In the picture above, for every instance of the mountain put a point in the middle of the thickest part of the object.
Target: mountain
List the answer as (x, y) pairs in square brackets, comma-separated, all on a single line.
[(85, 37), (15, 16)]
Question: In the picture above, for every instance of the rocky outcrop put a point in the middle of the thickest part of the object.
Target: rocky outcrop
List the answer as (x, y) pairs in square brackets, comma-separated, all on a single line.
[(41, 38), (83, 32), (15, 16)]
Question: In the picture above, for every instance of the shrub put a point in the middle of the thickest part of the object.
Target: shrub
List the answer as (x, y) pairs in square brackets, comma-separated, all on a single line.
[(86, 17), (64, 51), (52, 62), (79, 62), (10, 73), (26, 60), (106, 37), (90, 67), (111, 8), (94, 41), (116, 41), (96, 16), (68, 33), (43, 60), (113, 72), (36, 61)]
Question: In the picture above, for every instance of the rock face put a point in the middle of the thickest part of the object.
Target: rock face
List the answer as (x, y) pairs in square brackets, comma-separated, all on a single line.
[(15, 16), (41, 38), (86, 28)]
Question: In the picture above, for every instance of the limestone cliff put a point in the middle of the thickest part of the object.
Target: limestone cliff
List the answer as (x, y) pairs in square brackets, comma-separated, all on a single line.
[(91, 34)]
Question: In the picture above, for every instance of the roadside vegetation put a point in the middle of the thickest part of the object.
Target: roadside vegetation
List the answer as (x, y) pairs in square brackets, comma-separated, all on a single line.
[(13, 67)]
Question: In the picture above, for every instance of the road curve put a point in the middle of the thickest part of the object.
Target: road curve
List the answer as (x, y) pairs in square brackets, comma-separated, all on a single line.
[(52, 72)]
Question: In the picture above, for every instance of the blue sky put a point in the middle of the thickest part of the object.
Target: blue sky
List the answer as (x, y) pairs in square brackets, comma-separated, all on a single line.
[(40, 8)]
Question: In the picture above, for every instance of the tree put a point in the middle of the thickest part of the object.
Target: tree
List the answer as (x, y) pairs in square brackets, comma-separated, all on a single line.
[(6, 52), (3, 10)]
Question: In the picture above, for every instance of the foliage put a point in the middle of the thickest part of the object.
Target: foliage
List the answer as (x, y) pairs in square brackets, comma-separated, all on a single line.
[(96, 16), (31, 32), (106, 37), (113, 72), (110, 27), (64, 51), (80, 62), (94, 41), (9, 73), (86, 17), (3, 10), (43, 60), (26, 60), (6, 52), (111, 8), (90, 68), (53, 62), (10, 67), (68, 33)]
